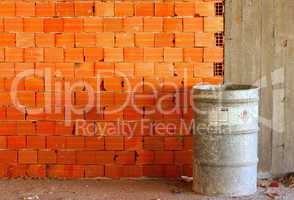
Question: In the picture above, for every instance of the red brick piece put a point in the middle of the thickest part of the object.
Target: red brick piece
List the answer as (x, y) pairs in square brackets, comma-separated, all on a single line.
[(27, 156), (114, 143), (53, 25)]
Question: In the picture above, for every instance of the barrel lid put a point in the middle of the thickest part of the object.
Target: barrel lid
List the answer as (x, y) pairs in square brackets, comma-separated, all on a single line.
[(225, 92)]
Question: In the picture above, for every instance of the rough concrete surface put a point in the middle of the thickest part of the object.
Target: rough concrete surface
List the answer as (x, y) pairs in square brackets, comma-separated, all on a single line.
[(116, 189)]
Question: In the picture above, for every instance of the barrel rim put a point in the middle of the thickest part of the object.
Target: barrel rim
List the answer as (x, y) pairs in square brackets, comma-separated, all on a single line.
[(231, 87)]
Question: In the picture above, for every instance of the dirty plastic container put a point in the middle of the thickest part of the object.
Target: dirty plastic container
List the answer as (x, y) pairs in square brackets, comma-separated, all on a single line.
[(225, 139)]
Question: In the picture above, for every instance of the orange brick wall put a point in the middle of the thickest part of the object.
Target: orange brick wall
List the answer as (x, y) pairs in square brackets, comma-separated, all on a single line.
[(119, 49)]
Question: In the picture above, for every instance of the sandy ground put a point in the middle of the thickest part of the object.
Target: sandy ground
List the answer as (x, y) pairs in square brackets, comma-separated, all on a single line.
[(115, 189)]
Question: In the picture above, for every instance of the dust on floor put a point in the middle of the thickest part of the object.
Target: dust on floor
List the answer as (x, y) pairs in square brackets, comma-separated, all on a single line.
[(117, 189)]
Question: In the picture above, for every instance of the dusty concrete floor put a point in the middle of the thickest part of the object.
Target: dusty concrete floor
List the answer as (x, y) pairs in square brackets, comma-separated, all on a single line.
[(113, 189)]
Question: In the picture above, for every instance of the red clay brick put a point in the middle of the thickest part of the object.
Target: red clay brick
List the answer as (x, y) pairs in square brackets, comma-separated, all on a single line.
[(86, 157), (74, 55), (74, 171), (133, 54), (104, 8), (5, 98), (85, 39), (132, 171), (93, 25), (56, 171), (184, 69), (144, 9), (66, 171), (124, 9), (205, 8), (33, 55), (144, 69), (153, 24), (213, 24), (7, 9), (8, 156), (84, 8), (153, 55), (124, 40), (14, 54), (114, 143), (83, 70), (105, 157), (173, 143), (73, 25), (144, 157), (204, 39), (184, 8), (7, 39), (184, 39), (3, 111), (6, 71), (153, 143), (75, 142), (45, 40), (193, 54), (25, 128), (125, 158), (164, 40), (93, 54), (36, 171), (53, 25), (36, 142), (114, 171), (193, 24), (133, 24), (25, 9), (183, 157), (105, 40), (53, 55), (94, 171), (3, 170), (64, 9), (27, 157), (188, 142), (125, 68), (164, 69), (13, 24), (14, 114), (144, 40), (66, 157), (172, 171), (45, 128), (25, 40), (113, 54), (33, 25), (173, 54), (134, 143), (94, 143), (65, 40), (163, 157), (66, 69), (46, 157), (164, 9), (172, 24), (112, 25), (3, 142), (45, 9), (213, 54), (153, 171)]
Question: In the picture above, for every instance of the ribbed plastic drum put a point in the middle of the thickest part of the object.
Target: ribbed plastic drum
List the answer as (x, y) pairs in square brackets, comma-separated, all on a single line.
[(225, 139)]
